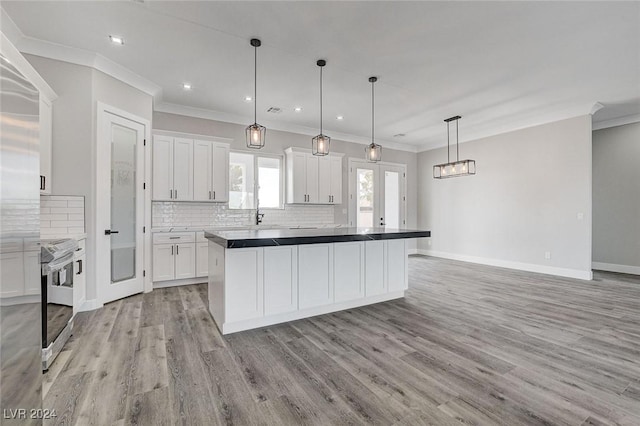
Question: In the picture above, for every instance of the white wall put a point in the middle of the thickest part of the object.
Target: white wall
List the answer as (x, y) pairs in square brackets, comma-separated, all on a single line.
[(278, 141), (616, 198), (525, 199), (74, 160)]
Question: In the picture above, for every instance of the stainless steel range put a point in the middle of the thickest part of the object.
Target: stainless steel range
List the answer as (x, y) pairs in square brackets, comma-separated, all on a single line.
[(58, 272)]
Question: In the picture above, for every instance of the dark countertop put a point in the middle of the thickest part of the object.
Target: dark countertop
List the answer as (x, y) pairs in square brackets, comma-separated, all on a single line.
[(287, 237)]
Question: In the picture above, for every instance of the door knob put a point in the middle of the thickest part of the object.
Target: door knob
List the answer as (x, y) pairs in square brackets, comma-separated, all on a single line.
[(109, 232)]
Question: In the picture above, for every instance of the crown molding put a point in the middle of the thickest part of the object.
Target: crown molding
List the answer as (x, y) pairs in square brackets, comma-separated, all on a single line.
[(565, 114), (208, 114), (614, 122)]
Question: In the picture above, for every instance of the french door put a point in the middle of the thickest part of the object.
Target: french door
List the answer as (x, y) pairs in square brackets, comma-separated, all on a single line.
[(377, 195), (120, 229)]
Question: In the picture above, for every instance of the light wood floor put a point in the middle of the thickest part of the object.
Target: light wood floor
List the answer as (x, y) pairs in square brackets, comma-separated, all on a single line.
[(469, 343)]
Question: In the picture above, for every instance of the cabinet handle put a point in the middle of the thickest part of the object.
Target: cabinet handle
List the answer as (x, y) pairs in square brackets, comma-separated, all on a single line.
[(79, 267), (43, 181), (172, 250), (177, 249), (214, 195), (175, 191), (209, 194)]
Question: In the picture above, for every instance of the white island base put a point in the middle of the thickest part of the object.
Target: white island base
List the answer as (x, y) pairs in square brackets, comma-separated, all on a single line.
[(259, 286)]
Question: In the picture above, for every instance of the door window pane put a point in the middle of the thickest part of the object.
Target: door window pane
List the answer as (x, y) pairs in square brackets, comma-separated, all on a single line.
[(365, 198), (123, 203), (269, 182), (241, 181), (392, 199)]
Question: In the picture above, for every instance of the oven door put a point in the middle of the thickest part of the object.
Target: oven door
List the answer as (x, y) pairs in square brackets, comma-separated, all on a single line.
[(60, 284)]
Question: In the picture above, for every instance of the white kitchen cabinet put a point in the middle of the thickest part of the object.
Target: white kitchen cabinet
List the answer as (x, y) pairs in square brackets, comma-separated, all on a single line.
[(12, 274), (32, 273), (183, 169), (244, 267), (202, 259), (202, 170), (348, 270), (210, 171), (397, 259), (220, 184), (280, 279), (46, 136), (312, 179), (79, 282), (375, 282), (162, 174), (164, 266), (185, 259), (315, 275)]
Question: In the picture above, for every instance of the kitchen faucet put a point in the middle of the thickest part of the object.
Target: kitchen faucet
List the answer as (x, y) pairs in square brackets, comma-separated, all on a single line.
[(259, 215)]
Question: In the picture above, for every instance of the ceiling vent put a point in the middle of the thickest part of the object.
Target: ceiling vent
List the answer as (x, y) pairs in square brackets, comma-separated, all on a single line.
[(274, 110)]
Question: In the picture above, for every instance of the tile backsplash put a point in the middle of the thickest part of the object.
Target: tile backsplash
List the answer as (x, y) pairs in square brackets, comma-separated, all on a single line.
[(209, 215), (61, 215)]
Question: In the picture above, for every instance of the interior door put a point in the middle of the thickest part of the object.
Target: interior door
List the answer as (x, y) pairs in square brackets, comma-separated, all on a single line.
[(125, 207), (377, 195)]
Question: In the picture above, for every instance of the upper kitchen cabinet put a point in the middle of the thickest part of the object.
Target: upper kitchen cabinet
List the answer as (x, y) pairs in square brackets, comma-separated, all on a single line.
[(210, 171), (46, 136), (312, 179), (190, 170)]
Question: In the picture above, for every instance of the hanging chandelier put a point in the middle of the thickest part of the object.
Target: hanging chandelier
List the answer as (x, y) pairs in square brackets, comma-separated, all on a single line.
[(458, 167), (320, 144), (256, 133), (373, 150)]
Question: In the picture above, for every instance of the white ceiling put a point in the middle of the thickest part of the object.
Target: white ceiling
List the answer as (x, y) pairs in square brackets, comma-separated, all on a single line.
[(501, 65)]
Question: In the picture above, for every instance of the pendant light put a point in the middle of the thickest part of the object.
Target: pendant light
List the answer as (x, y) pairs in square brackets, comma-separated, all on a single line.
[(458, 167), (373, 150), (255, 133), (320, 144)]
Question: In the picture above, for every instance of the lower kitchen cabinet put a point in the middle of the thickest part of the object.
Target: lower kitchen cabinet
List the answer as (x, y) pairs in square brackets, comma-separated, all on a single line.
[(12, 274), (202, 259), (280, 279), (397, 265), (174, 261), (245, 268), (375, 282), (348, 270), (315, 275)]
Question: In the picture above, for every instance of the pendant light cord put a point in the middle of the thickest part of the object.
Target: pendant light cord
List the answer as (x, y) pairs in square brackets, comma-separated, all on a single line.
[(321, 100), (372, 113), (255, 84), (457, 144), (448, 149)]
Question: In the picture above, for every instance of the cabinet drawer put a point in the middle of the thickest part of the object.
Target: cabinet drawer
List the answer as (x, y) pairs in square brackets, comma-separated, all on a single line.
[(174, 237)]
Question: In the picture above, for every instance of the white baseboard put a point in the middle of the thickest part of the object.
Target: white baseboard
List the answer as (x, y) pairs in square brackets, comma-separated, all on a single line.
[(176, 283), (90, 305), (413, 251), (612, 267), (529, 267)]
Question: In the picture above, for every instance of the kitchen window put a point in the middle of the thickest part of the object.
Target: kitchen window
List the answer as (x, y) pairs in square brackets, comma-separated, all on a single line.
[(251, 174)]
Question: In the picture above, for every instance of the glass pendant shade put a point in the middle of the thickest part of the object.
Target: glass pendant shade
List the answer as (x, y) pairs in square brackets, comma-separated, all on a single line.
[(256, 135), (373, 152), (454, 168), (320, 145)]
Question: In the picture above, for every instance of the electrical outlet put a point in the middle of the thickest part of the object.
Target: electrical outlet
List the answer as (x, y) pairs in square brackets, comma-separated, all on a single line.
[(344, 211), (429, 242), (580, 216), (547, 255)]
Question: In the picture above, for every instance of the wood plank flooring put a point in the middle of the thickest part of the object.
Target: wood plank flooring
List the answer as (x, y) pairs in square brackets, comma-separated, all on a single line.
[(469, 344)]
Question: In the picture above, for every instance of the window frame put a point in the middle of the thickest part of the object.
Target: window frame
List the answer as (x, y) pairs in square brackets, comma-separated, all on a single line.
[(256, 176)]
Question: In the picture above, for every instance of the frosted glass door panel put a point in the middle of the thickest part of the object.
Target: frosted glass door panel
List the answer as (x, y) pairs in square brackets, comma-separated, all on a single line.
[(392, 200), (365, 198), (123, 203)]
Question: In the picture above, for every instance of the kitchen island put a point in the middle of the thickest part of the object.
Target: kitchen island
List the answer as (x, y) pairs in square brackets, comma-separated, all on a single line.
[(260, 277)]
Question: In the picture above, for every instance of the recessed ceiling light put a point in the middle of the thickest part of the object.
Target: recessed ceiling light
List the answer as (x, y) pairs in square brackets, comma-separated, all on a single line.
[(339, 117), (248, 98), (297, 109), (186, 86), (116, 40)]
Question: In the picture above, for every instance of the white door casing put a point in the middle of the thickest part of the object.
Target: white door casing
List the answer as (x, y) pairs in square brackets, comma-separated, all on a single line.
[(111, 119)]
